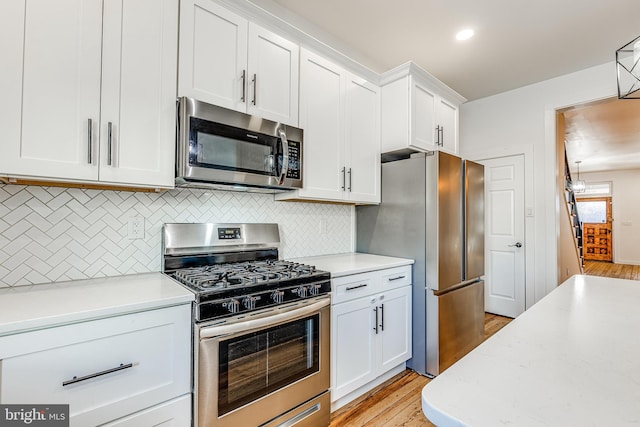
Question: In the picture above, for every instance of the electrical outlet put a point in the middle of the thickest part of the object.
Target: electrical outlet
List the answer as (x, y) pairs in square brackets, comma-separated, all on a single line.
[(135, 228)]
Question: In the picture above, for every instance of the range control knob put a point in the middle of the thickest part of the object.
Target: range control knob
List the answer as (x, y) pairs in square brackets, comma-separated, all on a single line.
[(233, 305), (277, 297), (250, 302), (314, 290), (301, 291)]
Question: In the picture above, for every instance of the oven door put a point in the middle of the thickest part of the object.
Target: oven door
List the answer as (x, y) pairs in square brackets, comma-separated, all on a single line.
[(257, 368)]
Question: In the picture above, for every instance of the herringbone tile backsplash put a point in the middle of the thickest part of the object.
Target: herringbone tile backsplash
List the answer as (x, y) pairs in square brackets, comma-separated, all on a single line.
[(51, 234)]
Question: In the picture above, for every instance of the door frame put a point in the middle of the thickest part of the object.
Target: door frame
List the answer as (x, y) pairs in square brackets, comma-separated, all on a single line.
[(527, 151)]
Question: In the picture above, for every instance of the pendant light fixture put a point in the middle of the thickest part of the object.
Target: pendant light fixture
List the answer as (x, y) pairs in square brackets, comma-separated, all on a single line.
[(628, 70), (578, 185)]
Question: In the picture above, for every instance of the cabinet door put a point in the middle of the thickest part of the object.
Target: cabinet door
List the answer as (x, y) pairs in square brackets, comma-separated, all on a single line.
[(139, 92), (273, 76), (423, 117), (213, 54), (395, 325), (448, 121), (362, 140), (51, 54), (322, 119), (353, 352)]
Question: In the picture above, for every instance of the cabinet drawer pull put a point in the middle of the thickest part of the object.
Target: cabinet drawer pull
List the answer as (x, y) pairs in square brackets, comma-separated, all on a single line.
[(97, 374), (396, 278), (350, 288)]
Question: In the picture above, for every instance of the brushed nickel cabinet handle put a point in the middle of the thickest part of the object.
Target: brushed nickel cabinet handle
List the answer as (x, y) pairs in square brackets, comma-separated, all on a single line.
[(75, 380), (109, 144), (344, 178), (255, 86), (244, 85), (350, 288), (391, 279), (349, 180), (90, 142), (376, 328)]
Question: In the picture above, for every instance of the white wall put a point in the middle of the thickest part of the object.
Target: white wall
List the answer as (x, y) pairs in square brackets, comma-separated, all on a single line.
[(625, 212), (52, 234), (524, 120)]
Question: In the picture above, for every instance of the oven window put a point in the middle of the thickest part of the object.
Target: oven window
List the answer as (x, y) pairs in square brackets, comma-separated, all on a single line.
[(256, 364)]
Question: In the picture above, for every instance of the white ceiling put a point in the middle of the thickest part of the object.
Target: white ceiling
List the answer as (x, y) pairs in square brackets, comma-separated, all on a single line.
[(604, 135), (516, 43)]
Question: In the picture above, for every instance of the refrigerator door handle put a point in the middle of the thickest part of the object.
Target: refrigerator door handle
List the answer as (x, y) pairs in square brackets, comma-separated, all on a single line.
[(455, 287)]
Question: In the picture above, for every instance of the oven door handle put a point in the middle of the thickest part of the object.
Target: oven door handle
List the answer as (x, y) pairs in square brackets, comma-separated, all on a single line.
[(246, 325)]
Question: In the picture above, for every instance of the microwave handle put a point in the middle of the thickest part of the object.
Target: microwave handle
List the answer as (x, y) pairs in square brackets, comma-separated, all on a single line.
[(285, 156)]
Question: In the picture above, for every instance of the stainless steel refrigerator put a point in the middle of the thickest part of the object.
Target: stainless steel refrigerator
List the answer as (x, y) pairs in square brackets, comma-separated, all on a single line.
[(432, 210)]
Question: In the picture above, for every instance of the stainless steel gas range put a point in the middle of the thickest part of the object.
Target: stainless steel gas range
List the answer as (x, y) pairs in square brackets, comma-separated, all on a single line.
[(261, 326)]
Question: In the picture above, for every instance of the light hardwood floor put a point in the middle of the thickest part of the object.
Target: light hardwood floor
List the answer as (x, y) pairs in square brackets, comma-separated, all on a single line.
[(397, 402), (609, 269)]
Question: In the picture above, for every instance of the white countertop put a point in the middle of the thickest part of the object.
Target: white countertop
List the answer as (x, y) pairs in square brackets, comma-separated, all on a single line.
[(573, 359), (353, 263), (25, 308)]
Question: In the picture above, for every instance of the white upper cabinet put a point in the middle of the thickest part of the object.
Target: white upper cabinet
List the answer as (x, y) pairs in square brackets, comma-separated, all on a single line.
[(339, 114), (51, 80), (418, 112), (362, 140), (139, 72), (228, 61), (84, 72)]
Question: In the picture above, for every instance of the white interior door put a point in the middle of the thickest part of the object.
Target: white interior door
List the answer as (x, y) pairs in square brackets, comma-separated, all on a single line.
[(504, 234)]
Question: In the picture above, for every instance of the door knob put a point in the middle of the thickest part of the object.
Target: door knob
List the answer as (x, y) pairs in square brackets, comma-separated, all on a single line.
[(517, 245)]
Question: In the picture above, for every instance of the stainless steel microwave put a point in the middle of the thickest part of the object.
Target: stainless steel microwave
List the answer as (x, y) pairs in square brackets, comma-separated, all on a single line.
[(218, 147)]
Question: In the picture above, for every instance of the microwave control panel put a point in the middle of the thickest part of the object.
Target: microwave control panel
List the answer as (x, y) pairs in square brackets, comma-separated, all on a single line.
[(294, 160)]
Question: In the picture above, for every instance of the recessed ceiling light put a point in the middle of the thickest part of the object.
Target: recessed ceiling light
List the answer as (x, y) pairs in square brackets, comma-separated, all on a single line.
[(465, 34)]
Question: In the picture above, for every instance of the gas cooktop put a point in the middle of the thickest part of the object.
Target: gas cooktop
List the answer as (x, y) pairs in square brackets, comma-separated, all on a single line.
[(234, 268)]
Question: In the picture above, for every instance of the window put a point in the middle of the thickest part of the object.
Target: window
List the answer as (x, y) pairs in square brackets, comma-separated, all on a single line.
[(601, 189), (592, 211)]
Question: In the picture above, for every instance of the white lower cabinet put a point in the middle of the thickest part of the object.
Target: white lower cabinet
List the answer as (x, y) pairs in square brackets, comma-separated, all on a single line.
[(370, 329), (175, 413), (104, 369)]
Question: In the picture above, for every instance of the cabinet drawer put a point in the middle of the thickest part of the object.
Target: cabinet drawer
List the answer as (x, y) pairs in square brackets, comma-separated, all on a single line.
[(346, 288), (396, 277), (104, 369), (175, 413)]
